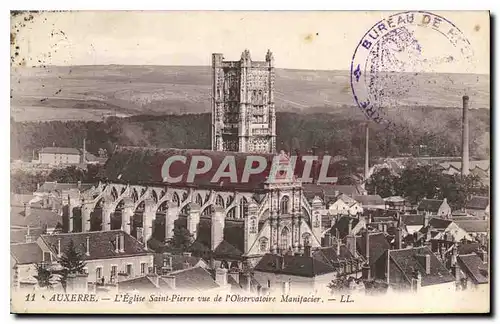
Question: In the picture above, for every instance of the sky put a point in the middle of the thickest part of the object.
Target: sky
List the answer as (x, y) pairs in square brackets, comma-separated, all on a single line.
[(323, 40)]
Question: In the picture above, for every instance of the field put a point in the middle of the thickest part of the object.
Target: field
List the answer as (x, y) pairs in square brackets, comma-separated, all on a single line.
[(94, 92)]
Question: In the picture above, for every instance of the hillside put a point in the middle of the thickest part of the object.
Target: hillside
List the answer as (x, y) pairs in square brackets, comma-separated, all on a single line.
[(94, 92)]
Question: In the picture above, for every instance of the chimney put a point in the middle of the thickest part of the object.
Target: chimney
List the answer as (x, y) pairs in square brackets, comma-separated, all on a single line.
[(367, 155), (221, 277), (350, 226), (28, 237), (79, 184), (122, 242), (58, 247), (87, 246), (465, 136), (426, 219), (117, 243), (170, 280), (217, 227), (398, 240), (425, 261), (27, 209)]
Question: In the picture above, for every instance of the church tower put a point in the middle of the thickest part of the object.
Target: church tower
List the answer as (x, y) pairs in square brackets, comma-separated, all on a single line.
[(243, 112)]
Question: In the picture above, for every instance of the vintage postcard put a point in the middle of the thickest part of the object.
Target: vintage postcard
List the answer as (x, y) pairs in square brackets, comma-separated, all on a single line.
[(313, 162)]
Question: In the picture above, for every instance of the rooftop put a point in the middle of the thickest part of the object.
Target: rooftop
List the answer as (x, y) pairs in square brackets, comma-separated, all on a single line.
[(26, 253), (430, 205), (475, 268), (60, 150), (478, 202), (102, 244), (295, 265), (408, 261)]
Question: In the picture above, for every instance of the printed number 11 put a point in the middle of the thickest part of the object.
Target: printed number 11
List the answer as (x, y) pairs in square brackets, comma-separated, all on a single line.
[(30, 297)]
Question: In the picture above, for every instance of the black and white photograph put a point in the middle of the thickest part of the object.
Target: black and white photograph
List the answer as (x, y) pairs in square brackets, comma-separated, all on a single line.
[(207, 162)]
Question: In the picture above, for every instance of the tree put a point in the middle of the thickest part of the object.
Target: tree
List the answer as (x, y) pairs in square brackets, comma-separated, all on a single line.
[(181, 239), (71, 262), (382, 183), (43, 276)]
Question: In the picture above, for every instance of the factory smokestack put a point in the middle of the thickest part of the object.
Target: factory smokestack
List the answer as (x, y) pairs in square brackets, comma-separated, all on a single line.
[(367, 155), (465, 136)]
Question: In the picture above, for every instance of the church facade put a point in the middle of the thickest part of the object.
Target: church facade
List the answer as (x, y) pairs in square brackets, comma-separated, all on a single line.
[(243, 111)]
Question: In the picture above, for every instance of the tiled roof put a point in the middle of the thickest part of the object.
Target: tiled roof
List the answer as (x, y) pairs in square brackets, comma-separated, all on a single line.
[(473, 226), (394, 199), (139, 283), (178, 261), (38, 217), (143, 165), (413, 220), (50, 186), (102, 244), (329, 254), (60, 150), (296, 265), (430, 205), (369, 200), (478, 202), (18, 235), (439, 223), (327, 192), (468, 248), (475, 268), (26, 253), (377, 245), (194, 279), (407, 260)]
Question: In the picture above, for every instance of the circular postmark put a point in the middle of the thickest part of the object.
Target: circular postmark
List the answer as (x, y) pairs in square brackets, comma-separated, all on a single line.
[(393, 57)]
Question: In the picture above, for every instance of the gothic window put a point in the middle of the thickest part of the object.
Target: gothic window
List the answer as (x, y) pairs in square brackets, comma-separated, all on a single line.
[(285, 239), (154, 196), (284, 205), (260, 98), (175, 199), (243, 208), (253, 225), (219, 201), (263, 244), (135, 196), (231, 214), (199, 200), (114, 193)]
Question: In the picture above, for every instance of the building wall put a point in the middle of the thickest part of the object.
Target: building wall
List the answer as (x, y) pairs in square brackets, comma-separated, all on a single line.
[(341, 208), (121, 263), (444, 209), (52, 158), (21, 272), (277, 282)]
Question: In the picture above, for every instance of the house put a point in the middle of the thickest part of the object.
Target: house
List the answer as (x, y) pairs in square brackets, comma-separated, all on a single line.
[(23, 260), (35, 216), (167, 262), (327, 192), (395, 203), (372, 245), (109, 255), (478, 206), (474, 271), (58, 155), (417, 269), (370, 202), (413, 222), (344, 205), (284, 273), (445, 230), (435, 207), (184, 280)]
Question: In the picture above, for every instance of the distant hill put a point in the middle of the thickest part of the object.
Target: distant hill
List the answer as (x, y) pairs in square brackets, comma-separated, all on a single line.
[(94, 92)]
